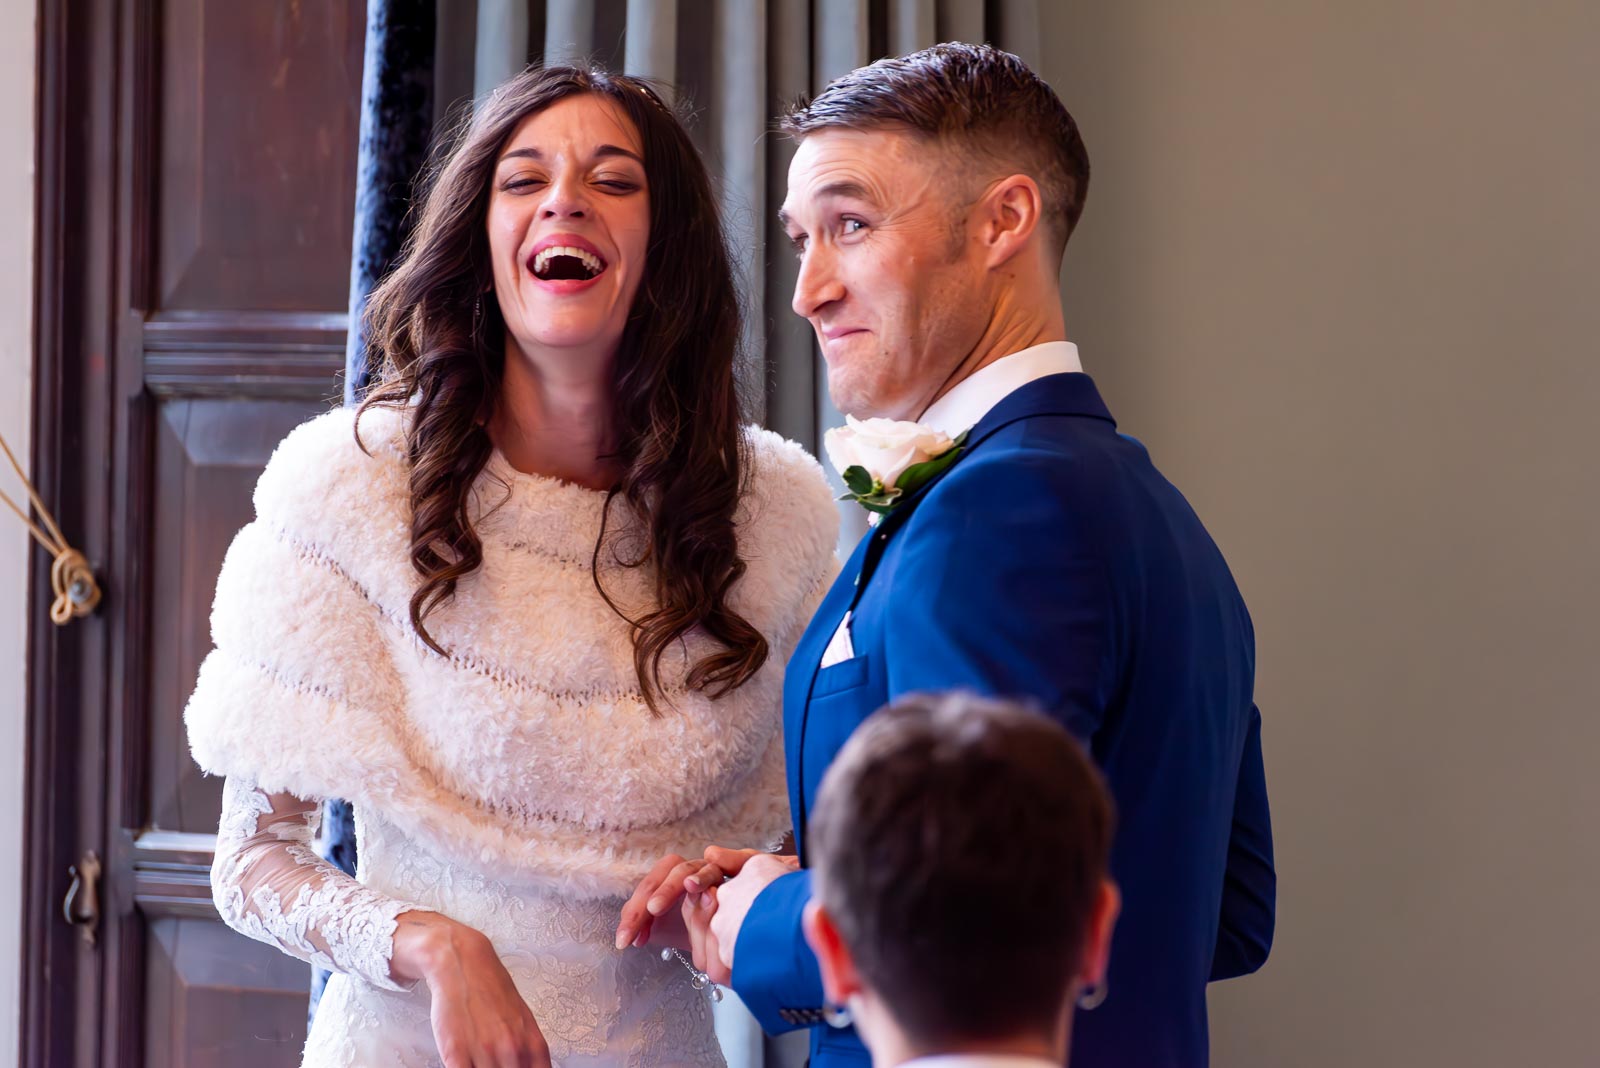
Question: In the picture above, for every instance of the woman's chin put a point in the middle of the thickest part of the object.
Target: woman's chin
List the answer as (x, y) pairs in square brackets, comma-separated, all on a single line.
[(577, 337)]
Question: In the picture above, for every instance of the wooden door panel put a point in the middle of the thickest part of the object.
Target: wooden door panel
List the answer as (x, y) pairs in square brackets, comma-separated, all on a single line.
[(259, 118), (209, 452), (252, 139), (197, 190), (219, 1000)]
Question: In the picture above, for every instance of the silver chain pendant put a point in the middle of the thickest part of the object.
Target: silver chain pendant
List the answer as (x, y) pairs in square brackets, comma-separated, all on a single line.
[(697, 978)]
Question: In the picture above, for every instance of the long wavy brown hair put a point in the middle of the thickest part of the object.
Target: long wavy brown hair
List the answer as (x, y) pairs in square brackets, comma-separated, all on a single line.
[(676, 417)]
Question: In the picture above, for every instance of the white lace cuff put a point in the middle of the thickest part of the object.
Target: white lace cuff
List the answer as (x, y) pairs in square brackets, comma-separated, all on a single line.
[(269, 884)]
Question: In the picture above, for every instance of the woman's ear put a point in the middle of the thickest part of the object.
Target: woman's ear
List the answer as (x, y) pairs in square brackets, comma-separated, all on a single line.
[(1012, 211), (840, 980)]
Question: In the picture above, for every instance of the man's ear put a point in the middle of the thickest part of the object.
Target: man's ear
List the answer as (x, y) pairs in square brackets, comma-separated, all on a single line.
[(839, 977), (1097, 938), (1011, 212)]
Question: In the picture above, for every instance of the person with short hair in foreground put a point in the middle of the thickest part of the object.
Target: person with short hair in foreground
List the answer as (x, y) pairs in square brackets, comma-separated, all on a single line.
[(962, 905)]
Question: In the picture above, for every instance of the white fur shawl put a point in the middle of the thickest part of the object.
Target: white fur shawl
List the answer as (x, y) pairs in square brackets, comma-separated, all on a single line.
[(529, 751)]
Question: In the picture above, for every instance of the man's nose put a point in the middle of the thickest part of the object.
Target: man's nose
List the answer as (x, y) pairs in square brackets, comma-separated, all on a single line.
[(818, 283)]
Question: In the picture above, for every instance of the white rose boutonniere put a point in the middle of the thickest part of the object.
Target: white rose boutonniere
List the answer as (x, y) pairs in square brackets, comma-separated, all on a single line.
[(883, 460)]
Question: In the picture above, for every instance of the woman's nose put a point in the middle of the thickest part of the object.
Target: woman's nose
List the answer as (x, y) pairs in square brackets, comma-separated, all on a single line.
[(565, 199)]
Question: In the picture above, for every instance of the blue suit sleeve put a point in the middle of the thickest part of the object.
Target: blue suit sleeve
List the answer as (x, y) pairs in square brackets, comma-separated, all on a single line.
[(773, 966), (1250, 886), (1000, 591)]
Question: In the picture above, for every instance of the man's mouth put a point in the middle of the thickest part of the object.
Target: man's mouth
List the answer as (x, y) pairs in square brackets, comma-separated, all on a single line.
[(567, 263)]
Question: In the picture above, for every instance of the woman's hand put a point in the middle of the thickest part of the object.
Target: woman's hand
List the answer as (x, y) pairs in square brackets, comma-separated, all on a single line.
[(701, 903), (479, 1019), (658, 896), (698, 911), (716, 917)]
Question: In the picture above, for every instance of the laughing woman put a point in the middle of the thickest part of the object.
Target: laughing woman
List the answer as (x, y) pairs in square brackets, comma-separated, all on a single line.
[(528, 609)]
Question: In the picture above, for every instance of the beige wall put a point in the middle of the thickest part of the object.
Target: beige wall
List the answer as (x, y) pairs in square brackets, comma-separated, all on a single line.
[(1340, 269), (16, 364)]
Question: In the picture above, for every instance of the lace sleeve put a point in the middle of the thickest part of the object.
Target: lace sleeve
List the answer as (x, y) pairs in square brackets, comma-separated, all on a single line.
[(269, 884)]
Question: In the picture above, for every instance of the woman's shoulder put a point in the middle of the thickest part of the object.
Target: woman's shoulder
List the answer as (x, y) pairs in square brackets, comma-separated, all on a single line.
[(334, 468), (787, 496)]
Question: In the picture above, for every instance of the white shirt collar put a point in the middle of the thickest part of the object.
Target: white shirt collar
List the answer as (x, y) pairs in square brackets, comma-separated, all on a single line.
[(974, 396), (979, 1060)]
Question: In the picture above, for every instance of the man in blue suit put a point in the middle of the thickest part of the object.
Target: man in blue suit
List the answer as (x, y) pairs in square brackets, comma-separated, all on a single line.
[(1042, 557)]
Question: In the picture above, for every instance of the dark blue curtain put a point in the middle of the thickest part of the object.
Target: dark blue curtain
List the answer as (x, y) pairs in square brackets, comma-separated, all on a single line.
[(396, 123)]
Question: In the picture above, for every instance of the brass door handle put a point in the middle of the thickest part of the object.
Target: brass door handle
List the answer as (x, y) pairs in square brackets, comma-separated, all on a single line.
[(81, 908)]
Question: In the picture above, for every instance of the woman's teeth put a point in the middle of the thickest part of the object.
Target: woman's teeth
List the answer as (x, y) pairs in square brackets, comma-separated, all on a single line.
[(565, 262)]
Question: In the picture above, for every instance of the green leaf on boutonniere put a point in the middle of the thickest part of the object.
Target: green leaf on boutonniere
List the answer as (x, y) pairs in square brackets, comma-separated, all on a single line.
[(879, 502), (878, 499), (859, 481), (916, 476)]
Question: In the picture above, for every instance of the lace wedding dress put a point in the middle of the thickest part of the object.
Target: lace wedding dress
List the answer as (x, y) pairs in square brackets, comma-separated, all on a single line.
[(518, 785), (595, 1006)]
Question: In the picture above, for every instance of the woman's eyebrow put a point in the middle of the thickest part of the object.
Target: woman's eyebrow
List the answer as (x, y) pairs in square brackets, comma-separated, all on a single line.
[(600, 152)]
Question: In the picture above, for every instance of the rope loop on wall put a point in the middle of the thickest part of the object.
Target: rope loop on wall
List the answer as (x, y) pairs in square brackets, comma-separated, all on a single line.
[(71, 578)]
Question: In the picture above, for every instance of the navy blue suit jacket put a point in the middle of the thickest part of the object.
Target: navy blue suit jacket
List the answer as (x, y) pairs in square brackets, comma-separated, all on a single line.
[(1053, 562)]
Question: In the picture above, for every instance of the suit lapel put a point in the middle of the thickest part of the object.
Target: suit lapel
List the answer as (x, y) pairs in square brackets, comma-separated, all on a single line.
[(802, 673), (1063, 394)]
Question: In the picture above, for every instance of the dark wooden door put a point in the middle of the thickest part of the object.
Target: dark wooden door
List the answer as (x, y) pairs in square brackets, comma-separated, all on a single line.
[(197, 171)]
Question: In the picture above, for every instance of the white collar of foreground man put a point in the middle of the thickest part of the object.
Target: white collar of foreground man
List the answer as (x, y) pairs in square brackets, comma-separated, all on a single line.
[(979, 1060), (972, 398)]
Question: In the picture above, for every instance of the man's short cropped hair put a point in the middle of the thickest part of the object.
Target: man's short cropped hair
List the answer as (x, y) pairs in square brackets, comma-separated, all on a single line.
[(959, 845), (984, 105)]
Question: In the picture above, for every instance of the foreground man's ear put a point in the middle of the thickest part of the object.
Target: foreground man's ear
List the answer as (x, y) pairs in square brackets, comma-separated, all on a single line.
[(840, 980), (1097, 939)]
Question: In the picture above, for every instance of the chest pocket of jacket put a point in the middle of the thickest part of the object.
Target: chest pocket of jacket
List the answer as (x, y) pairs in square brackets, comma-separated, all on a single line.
[(837, 678)]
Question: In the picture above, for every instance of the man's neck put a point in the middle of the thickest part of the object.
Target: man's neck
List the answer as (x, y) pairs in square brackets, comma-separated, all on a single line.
[(1034, 1048), (892, 1047), (1015, 326)]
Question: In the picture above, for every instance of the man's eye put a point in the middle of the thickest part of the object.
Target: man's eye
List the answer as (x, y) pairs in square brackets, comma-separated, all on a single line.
[(848, 223)]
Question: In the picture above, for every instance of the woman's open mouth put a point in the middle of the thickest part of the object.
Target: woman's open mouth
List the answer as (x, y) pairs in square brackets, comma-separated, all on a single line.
[(567, 263)]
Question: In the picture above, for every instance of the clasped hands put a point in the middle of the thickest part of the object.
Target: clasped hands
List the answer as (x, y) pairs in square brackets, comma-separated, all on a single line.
[(698, 906), (480, 1019)]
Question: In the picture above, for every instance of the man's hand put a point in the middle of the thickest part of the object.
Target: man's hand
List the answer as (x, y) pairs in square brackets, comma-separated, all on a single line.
[(751, 873)]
